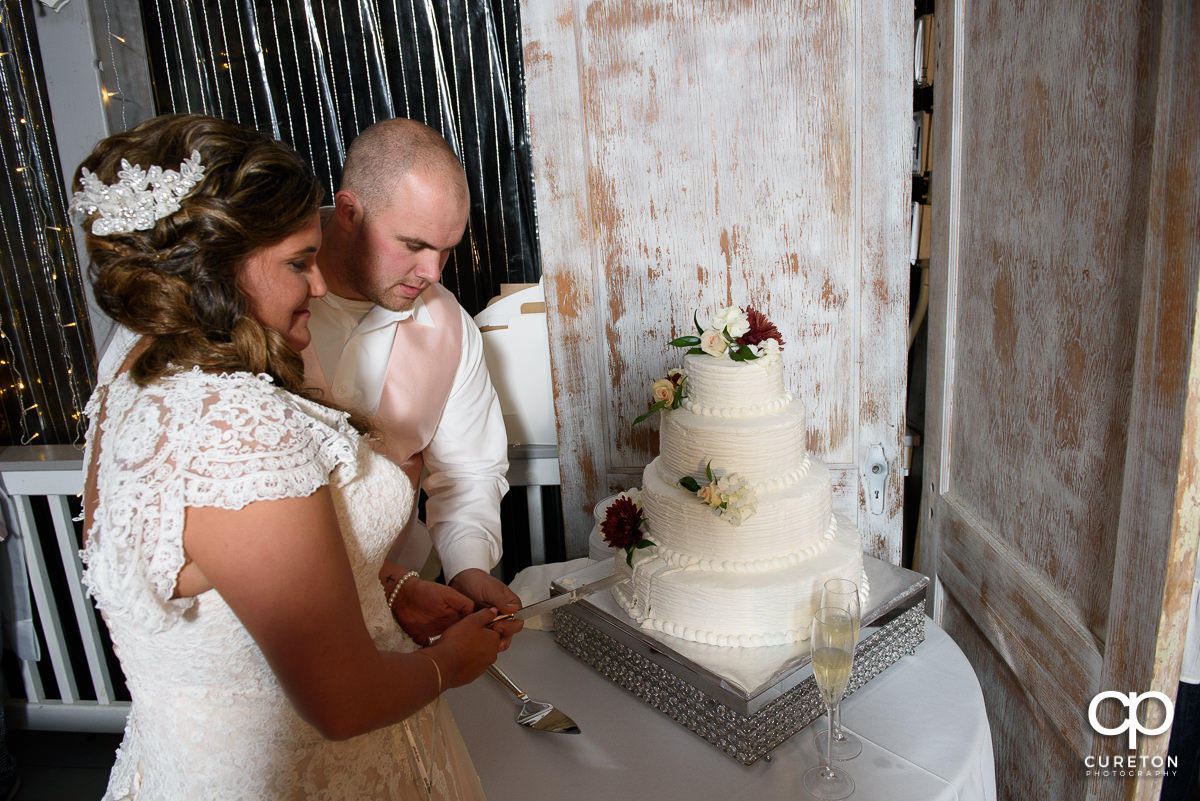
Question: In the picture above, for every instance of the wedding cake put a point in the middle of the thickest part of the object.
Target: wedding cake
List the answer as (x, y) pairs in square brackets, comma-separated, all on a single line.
[(732, 534)]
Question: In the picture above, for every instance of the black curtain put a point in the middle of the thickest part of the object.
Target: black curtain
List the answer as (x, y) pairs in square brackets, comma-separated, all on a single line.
[(314, 74)]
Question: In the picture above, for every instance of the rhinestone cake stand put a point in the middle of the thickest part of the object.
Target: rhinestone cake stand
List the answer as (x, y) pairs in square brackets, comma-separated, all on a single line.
[(743, 701)]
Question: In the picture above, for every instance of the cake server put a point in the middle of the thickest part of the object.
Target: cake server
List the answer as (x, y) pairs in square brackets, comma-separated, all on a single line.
[(534, 714), (542, 607)]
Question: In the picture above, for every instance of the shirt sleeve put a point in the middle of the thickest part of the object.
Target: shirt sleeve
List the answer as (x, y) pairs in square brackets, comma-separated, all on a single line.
[(467, 460)]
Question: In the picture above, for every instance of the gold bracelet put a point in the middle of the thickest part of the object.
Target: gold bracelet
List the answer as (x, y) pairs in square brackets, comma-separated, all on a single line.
[(437, 669), (391, 599)]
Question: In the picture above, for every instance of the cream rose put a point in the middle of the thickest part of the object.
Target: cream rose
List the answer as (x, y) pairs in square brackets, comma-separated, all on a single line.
[(663, 390), (709, 495), (712, 342)]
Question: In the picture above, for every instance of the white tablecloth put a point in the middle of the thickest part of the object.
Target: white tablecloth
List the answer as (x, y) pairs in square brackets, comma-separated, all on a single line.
[(923, 724)]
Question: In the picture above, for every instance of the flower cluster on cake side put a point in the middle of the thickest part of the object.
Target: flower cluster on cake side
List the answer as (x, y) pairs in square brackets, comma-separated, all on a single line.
[(624, 524)]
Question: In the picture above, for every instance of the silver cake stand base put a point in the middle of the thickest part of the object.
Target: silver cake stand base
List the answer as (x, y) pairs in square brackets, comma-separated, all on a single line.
[(743, 701)]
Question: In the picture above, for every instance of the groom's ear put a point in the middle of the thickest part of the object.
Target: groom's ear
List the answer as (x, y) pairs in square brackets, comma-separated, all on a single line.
[(347, 210)]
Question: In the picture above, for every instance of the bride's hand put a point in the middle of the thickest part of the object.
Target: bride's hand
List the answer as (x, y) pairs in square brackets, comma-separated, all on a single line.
[(425, 609)]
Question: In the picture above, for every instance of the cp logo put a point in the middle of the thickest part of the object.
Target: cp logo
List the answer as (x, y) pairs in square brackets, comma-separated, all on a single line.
[(1131, 701)]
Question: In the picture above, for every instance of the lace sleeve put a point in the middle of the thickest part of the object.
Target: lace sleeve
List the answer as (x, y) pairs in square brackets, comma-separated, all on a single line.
[(250, 443), (199, 440)]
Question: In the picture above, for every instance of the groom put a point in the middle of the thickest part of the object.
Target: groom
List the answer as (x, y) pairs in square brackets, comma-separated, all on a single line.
[(391, 341)]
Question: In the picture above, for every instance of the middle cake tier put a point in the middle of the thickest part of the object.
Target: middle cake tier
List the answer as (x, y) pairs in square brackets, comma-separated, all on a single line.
[(769, 451), (791, 524)]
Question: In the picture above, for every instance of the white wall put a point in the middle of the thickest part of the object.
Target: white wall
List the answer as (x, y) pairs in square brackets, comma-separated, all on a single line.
[(69, 61)]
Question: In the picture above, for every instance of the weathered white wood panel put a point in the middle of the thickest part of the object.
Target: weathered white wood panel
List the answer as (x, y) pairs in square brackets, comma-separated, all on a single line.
[(690, 155), (1061, 440)]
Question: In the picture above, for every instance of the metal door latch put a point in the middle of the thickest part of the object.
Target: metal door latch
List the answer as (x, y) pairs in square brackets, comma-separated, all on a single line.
[(876, 474)]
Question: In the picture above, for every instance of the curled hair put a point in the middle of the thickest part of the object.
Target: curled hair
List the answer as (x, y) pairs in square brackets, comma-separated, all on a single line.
[(176, 283)]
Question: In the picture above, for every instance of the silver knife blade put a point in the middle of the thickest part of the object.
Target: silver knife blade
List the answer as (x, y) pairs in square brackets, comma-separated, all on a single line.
[(542, 607)]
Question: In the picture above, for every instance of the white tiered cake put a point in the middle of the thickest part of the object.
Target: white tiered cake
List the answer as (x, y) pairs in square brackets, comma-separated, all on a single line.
[(745, 542)]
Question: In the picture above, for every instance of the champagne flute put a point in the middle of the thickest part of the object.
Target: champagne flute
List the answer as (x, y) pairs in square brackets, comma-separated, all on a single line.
[(843, 594), (832, 655)]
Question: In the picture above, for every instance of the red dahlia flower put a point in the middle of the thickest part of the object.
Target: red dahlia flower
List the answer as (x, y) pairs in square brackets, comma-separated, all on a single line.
[(622, 523), (760, 329)]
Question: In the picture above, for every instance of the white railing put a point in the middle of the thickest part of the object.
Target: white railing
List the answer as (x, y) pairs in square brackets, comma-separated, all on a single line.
[(40, 484)]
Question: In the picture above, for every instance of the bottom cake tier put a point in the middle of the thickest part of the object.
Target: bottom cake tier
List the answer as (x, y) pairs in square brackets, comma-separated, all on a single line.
[(706, 604), (745, 701)]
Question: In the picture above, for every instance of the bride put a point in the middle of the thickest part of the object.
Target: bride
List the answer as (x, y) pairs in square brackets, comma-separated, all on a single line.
[(234, 530)]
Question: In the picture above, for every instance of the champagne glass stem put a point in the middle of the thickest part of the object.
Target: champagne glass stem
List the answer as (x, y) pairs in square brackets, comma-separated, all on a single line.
[(829, 744)]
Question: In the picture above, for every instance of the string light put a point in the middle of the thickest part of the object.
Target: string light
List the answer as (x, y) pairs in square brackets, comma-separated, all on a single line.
[(37, 301), (112, 62)]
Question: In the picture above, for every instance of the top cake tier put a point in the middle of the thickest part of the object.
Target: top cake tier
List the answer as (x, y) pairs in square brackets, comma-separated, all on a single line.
[(725, 388)]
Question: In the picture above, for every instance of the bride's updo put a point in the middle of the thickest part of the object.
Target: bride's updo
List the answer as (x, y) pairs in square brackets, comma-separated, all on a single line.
[(175, 280)]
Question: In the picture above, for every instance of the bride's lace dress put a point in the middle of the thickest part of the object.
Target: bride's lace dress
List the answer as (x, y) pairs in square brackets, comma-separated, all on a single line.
[(209, 720)]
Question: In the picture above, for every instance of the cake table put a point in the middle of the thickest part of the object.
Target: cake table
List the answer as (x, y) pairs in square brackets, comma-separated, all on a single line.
[(922, 721)]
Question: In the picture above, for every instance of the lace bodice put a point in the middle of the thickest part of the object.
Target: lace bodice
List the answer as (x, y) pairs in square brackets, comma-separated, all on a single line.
[(209, 719)]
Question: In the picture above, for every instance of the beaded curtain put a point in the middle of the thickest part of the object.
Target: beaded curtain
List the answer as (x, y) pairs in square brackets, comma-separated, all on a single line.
[(314, 74)]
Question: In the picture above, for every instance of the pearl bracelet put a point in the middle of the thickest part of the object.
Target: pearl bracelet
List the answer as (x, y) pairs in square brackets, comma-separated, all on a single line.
[(391, 599)]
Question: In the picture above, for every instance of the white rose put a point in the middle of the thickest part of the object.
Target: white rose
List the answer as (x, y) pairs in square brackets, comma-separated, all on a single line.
[(725, 316), (733, 320)]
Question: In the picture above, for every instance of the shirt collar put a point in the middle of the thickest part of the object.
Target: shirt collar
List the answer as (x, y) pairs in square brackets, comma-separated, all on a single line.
[(371, 316)]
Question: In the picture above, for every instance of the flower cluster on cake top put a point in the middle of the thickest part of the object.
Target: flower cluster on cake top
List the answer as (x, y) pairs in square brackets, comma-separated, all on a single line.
[(734, 333), (622, 524), (729, 496)]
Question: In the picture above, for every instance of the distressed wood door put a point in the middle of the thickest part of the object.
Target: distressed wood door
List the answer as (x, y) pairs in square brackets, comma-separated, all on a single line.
[(1060, 513), (689, 155)]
